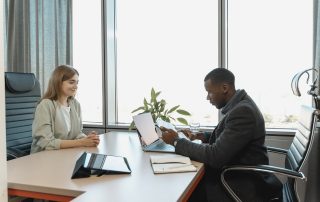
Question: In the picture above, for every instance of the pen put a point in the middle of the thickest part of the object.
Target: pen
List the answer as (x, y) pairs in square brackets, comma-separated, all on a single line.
[(180, 166)]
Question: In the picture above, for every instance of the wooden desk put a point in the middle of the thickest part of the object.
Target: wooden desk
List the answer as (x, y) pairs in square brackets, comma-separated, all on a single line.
[(47, 175)]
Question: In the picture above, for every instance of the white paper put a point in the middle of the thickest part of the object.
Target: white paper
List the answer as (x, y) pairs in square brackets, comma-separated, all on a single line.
[(171, 164), (146, 127), (168, 125), (170, 159), (171, 168), (165, 124)]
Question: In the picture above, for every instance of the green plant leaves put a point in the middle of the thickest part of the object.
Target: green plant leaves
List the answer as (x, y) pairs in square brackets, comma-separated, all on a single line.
[(173, 109), (183, 112), (140, 108), (162, 105), (165, 118), (145, 103), (158, 110), (182, 120), (131, 125), (153, 95)]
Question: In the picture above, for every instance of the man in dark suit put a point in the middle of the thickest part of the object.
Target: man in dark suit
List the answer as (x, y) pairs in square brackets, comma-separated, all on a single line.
[(237, 139)]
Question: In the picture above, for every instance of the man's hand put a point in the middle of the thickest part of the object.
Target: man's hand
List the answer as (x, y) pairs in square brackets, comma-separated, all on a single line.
[(192, 136), (188, 134), (169, 135)]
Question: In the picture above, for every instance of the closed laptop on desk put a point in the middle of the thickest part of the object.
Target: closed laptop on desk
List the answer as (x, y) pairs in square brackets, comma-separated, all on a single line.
[(147, 132)]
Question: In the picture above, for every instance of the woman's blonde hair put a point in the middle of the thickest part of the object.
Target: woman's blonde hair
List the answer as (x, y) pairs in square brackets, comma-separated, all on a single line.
[(59, 75)]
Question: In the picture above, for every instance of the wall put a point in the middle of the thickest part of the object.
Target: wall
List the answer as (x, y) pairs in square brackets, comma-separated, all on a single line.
[(3, 160)]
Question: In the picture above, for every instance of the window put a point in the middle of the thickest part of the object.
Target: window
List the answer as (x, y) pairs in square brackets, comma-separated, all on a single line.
[(268, 42), (170, 46), (87, 58)]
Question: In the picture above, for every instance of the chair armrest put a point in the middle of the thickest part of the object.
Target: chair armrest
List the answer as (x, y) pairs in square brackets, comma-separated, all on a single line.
[(13, 153), (258, 168), (277, 150), (268, 169)]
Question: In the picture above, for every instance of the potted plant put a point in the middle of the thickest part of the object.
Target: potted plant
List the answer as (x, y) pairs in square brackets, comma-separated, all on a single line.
[(158, 109)]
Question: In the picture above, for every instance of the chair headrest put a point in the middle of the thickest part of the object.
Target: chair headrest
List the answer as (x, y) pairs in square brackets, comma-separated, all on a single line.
[(296, 78), (19, 82)]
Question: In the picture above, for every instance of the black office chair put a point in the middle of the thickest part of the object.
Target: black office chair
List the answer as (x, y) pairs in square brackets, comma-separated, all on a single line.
[(22, 93), (296, 156), (299, 150)]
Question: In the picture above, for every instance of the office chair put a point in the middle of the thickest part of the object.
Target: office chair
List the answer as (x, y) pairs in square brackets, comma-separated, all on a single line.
[(296, 156), (22, 92), (298, 152), (313, 85)]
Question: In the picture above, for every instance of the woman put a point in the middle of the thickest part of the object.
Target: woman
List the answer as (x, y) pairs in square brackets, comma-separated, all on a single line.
[(57, 123)]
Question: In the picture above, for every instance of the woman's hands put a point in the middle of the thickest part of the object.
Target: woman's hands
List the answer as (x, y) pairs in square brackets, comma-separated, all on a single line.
[(92, 139)]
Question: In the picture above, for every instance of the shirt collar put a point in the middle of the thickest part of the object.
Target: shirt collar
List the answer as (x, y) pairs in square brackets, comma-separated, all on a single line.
[(236, 98)]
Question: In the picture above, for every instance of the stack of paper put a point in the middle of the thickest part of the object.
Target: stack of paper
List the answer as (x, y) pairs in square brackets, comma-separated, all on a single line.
[(171, 164)]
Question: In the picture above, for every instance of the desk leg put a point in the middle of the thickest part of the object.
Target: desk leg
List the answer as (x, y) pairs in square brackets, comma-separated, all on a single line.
[(38, 195), (187, 195)]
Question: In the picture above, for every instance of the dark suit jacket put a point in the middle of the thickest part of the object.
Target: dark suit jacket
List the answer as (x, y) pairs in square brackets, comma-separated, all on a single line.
[(238, 139)]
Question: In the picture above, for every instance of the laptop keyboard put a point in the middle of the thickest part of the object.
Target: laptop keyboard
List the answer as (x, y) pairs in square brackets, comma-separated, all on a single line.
[(161, 145)]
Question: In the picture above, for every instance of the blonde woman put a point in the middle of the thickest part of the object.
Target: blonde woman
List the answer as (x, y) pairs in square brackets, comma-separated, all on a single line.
[(57, 122)]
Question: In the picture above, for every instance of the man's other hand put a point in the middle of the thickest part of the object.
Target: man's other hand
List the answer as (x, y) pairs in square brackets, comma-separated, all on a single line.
[(169, 135), (192, 136)]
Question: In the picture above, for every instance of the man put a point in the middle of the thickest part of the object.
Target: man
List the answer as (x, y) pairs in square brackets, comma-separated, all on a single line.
[(237, 139)]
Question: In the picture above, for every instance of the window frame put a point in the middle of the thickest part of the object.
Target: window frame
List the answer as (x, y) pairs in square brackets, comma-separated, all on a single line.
[(109, 50)]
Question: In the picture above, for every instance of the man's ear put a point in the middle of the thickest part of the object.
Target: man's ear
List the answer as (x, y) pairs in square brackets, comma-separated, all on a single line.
[(225, 88)]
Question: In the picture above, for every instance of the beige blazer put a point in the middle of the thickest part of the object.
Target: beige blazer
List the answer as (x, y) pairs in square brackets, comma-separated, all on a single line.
[(49, 126)]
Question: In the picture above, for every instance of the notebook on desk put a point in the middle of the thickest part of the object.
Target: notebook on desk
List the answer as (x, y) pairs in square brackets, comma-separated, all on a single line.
[(171, 164), (149, 138)]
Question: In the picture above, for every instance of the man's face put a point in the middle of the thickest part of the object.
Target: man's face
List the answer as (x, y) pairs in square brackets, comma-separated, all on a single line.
[(216, 93)]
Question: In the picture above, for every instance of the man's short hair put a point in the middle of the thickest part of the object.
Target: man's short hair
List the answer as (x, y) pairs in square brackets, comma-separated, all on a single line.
[(220, 75)]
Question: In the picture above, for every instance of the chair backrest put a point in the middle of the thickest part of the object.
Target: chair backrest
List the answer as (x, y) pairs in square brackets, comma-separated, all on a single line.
[(299, 149), (22, 93), (301, 144)]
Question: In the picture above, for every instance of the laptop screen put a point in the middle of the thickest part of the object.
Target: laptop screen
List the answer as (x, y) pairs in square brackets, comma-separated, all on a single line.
[(146, 127)]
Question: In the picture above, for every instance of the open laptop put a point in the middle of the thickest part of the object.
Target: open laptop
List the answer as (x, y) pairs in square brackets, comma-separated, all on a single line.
[(147, 132)]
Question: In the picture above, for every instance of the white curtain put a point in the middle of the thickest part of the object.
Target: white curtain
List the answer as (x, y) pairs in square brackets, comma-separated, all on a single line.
[(38, 36)]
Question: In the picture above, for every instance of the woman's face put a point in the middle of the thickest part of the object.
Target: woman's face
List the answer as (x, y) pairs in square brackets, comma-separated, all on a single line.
[(69, 87)]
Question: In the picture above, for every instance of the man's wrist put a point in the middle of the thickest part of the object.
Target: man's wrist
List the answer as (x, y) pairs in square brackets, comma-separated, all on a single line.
[(175, 141)]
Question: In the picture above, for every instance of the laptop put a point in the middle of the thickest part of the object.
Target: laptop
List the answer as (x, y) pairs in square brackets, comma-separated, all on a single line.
[(147, 132)]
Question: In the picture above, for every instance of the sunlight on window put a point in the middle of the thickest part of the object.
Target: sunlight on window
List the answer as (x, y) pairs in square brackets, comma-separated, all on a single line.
[(265, 51), (87, 58), (170, 46)]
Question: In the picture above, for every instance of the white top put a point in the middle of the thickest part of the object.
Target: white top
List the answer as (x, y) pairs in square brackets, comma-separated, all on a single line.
[(66, 114)]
